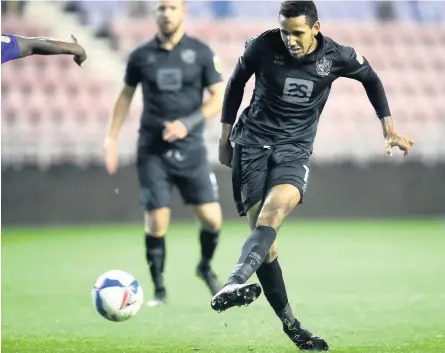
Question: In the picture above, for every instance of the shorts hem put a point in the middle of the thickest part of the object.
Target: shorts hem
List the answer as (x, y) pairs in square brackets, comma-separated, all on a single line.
[(200, 202), (290, 182)]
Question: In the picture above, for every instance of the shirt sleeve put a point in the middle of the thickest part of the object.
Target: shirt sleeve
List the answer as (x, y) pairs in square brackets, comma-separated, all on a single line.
[(355, 66), (212, 69), (133, 71), (244, 69), (10, 48)]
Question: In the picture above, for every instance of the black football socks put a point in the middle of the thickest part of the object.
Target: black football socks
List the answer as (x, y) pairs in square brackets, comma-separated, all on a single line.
[(209, 241), (271, 279), (253, 253), (155, 254)]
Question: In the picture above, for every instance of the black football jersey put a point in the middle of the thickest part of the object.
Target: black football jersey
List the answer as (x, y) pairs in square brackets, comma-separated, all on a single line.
[(289, 94)]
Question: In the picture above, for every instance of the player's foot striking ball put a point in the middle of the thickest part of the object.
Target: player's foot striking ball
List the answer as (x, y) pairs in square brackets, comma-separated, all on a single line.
[(235, 295), (294, 67), (175, 70)]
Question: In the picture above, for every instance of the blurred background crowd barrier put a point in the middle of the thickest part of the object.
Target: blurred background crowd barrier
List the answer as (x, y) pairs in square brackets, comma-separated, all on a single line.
[(54, 114)]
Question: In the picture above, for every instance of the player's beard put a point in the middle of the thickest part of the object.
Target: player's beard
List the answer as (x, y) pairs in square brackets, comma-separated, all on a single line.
[(170, 32), (304, 54)]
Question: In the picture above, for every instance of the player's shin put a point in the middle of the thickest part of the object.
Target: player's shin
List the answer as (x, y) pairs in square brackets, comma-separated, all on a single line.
[(253, 253), (209, 242), (155, 254), (271, 279)]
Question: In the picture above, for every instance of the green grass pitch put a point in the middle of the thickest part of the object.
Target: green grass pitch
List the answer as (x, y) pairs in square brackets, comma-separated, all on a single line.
[(364, 286)]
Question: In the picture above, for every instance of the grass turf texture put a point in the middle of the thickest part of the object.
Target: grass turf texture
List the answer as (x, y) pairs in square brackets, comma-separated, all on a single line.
[(364, 286)]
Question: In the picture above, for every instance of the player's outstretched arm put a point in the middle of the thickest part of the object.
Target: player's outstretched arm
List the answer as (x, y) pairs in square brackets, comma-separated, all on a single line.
[(233, 97), (120, 112), (132, 78), (393, 139), (357, 67), (44, 46)]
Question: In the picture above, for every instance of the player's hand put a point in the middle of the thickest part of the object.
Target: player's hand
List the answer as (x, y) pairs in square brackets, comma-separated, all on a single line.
[(111, 155), (174, 130), (78, 51), (225, 153), (402, 142)]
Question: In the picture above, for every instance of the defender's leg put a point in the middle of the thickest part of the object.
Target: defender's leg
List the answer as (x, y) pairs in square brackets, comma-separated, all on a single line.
[(155, 195), (210, 217), (198, 187), (156, 225)]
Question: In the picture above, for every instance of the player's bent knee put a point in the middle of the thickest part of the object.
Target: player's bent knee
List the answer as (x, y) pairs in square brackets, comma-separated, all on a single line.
[(271, 218), (210, 216), (280, 201), (156, 222)]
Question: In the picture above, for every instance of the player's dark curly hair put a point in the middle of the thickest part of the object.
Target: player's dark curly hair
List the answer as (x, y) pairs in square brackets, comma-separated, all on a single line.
[(300, 8)]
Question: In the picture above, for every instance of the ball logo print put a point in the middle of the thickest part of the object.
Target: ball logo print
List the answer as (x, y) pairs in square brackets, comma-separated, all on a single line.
[(297, 90), (117, 296)]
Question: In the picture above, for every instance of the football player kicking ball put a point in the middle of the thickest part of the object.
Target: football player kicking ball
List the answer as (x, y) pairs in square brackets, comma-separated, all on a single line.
[(294, 68)]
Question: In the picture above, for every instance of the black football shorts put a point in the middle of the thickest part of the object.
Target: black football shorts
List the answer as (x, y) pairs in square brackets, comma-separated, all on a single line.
[(188, 170), (255, 170)]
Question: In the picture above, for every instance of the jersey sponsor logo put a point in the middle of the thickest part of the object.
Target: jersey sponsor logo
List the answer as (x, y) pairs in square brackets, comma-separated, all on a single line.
[(188, 56), (297, 90), (169, 79), (323, 66)]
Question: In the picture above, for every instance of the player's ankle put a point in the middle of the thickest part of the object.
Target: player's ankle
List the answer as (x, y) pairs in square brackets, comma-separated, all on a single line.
[(287, 317), (234, 279), (160, 291), (204, 264)]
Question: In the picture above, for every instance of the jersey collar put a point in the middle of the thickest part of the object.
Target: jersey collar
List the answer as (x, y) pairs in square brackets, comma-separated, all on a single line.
[(156, 42)]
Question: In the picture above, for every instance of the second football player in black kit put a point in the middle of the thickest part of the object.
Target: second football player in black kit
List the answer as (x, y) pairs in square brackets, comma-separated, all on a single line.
[(294, 68), (174, 70)]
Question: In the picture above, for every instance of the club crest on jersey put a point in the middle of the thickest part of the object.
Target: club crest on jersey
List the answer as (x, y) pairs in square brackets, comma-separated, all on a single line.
[(323, 66), (188, 56)]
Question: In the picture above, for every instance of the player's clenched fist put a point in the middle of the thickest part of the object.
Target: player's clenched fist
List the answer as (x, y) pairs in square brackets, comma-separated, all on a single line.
[(174, 131), (225, 153), (111, 155)]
